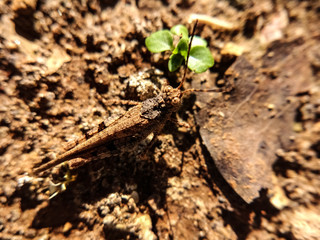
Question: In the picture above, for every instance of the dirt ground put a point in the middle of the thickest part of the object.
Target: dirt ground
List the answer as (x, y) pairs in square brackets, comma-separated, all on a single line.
[(247, 167)]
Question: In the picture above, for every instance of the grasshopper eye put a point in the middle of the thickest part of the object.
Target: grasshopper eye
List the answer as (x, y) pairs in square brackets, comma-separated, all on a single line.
[(175, 101)]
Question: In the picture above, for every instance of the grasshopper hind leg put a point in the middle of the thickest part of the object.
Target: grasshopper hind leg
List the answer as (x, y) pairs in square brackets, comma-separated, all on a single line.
[(61, 178)]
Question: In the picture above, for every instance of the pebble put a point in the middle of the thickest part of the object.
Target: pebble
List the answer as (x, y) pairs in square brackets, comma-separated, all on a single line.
[(104, 210), (14, 215), (131, 205), (30, 233), (114, 199), (44, 237), (109, 220), (117, 211), (135, 196), (1, 226), (66, 228), (125, 198), (153, 202)]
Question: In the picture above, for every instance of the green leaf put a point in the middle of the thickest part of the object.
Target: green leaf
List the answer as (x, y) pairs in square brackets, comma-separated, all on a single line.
[(200, 59), (180, 30), (181, 48), (159, 41), (198, 41), (175, 62)]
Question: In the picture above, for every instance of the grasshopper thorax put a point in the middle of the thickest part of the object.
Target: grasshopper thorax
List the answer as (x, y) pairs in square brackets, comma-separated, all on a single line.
[(168, 101)]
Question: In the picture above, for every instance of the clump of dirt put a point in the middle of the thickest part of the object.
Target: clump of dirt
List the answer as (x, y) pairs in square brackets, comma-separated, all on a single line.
[(248, 165)]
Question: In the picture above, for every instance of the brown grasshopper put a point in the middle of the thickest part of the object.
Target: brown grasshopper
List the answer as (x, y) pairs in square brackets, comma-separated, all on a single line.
[(130, 129)]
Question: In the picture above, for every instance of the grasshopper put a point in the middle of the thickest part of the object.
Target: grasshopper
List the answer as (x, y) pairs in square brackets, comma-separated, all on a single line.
[(128, 130)]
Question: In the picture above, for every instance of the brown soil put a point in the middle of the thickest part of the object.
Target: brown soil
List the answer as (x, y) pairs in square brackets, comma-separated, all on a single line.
[(247, 168)]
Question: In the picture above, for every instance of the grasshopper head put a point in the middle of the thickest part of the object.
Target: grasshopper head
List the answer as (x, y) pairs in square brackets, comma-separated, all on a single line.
[(172, 96)]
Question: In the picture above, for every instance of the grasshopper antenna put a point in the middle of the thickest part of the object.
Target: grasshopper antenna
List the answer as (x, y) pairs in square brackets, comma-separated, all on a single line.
[(186, 63)]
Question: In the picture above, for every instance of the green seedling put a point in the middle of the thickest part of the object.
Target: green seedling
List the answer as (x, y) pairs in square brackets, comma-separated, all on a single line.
[(200, 58)]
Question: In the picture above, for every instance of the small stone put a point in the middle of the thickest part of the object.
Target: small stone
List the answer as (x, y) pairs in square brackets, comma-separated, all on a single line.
[(44, 237), (45, 123), (131, 205), (279, 199), (125, 198), (114, 199), (280, 152), (186, 184), (66, 228), (30, 233), (14, 215), (232, 49), (121, 226), (1, 226), (104, 210), (145, 224), (202, 234), (117, 211), (153, 202), (8, 189), (88, 217), (297, 127), (135, 196), (109, 220), (3, 199)]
